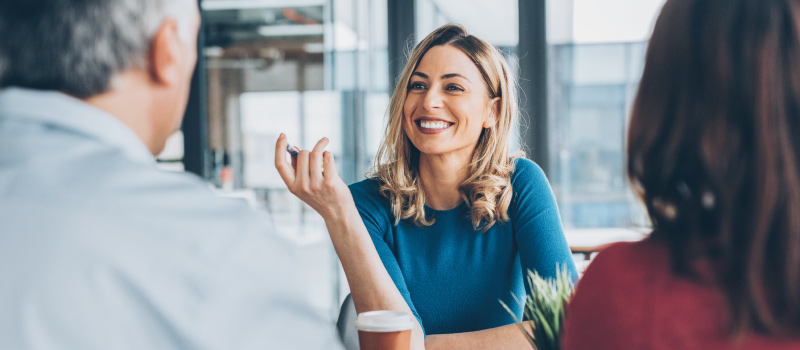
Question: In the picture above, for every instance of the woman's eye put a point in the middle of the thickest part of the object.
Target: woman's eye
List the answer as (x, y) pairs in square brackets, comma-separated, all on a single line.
[(454, 87), (416, 86)]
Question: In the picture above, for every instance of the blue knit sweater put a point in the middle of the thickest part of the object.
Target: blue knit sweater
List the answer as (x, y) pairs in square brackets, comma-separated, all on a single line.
[(452, 276)]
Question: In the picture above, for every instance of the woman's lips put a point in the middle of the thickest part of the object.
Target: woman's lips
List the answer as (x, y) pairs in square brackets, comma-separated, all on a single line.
[(427, 126)]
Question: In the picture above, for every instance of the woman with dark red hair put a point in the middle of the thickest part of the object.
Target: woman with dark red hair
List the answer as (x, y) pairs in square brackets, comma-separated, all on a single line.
[(713, 150)]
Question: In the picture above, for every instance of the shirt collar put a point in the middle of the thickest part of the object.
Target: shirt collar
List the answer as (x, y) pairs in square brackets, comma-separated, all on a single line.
[(64, 111)]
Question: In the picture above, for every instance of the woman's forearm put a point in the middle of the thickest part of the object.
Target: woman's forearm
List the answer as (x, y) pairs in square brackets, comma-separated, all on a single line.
[(312, 177), (504, 337), (370, 285)]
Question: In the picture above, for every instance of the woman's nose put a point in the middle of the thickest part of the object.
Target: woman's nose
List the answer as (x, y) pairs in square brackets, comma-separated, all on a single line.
[(432, 99)]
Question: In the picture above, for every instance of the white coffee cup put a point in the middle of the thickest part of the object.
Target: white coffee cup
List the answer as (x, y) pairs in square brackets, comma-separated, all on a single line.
[(384, 330)]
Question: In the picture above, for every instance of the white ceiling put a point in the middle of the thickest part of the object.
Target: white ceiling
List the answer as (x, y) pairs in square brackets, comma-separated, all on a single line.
[(578, 21), (602, 21), (495, 21), (211, 5)]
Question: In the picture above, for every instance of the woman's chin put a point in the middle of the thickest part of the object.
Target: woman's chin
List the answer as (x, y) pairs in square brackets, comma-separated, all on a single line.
[(429, 147), (441, 150)]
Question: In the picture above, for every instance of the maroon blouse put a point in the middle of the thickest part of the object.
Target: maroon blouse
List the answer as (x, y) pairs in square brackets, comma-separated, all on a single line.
[(630, 299)]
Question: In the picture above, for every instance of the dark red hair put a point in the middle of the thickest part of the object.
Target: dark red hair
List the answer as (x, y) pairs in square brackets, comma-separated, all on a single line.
[(713, 148)]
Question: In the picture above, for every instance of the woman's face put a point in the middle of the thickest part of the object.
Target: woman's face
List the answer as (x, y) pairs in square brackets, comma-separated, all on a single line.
[(448, 104)]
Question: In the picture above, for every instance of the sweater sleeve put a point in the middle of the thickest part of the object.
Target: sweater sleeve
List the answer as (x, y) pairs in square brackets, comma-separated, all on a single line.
[(375, 213), (537, 224)]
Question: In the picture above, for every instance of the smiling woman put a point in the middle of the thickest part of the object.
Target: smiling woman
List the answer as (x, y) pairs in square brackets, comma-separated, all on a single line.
[(449, 105), (446, 208), (460, 89)]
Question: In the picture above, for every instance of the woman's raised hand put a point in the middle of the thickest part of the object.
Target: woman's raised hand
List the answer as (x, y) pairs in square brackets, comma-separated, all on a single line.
[(312, 177)]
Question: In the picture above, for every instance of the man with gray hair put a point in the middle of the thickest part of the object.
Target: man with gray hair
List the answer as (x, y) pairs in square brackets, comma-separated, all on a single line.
[(98, 248)]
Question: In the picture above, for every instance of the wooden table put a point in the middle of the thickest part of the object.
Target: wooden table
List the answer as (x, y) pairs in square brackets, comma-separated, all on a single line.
[(588, 241)]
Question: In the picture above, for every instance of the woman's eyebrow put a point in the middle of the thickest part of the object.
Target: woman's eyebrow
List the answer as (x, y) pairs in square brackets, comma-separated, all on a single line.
[(446, 76), (454, 75)]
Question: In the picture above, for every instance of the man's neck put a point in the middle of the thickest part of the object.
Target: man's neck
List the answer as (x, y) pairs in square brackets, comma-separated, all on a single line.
[(128, 101)]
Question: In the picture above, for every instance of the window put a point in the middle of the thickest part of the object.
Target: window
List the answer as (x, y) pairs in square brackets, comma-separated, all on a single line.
[(310, 69), (596, 52), (595, 61)]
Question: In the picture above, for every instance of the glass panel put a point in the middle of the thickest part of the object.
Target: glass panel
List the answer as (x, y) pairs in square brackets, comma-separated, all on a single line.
[(310, 69), (596, 57)]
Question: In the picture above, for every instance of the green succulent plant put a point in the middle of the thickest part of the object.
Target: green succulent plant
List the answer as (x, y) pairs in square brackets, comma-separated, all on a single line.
[(545, 308)]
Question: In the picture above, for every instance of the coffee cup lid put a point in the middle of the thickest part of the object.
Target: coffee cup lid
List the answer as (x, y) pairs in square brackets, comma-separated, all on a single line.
[(384, 321)]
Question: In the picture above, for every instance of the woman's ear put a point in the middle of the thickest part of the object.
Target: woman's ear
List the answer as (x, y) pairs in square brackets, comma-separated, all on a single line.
[(494, 111)]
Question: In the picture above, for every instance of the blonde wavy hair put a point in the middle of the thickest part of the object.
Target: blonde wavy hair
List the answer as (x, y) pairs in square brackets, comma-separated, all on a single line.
[(487, 189)]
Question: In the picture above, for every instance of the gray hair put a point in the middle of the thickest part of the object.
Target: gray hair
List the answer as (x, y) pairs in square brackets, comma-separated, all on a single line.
[(77, 46)]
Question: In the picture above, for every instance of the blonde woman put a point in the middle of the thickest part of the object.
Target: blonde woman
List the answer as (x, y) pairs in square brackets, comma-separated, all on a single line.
[(447, 222)]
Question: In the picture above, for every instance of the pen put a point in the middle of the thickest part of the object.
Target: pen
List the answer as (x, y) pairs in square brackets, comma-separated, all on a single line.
[(292, 150)]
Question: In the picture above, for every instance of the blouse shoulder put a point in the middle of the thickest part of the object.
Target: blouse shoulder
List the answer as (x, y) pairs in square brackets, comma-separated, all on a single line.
[(623, 256), (528, 176), (365, 188), (636, 259), (366, 193), (526, 169), (530, 188), (375, 209), (625, 267)]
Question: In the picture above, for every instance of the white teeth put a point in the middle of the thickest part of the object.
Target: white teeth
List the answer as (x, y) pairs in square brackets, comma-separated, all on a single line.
[(433, 125)]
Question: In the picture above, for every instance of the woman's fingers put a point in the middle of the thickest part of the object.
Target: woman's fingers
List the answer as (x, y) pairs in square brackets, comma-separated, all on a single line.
[(302, 179), (329, 166), (315, 160), (311, 175), (286, 170)]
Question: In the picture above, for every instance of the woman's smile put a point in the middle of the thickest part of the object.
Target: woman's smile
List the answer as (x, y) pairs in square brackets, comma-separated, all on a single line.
[(432, 125)]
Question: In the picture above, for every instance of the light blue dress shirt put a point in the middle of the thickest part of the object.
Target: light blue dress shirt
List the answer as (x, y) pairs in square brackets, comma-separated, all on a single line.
[(101, 250)]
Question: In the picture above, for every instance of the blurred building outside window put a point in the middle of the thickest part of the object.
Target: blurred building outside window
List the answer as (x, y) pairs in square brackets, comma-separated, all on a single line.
[(595, 61)]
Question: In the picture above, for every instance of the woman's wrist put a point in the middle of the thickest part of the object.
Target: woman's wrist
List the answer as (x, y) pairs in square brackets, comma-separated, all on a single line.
[(342, 219), (341, 210)]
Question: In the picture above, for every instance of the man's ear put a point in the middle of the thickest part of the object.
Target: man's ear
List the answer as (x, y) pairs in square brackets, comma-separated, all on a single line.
[(166, 54), (494, 111)]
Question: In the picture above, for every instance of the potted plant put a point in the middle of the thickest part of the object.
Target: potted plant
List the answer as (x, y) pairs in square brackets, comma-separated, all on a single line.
[(545, 308)]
